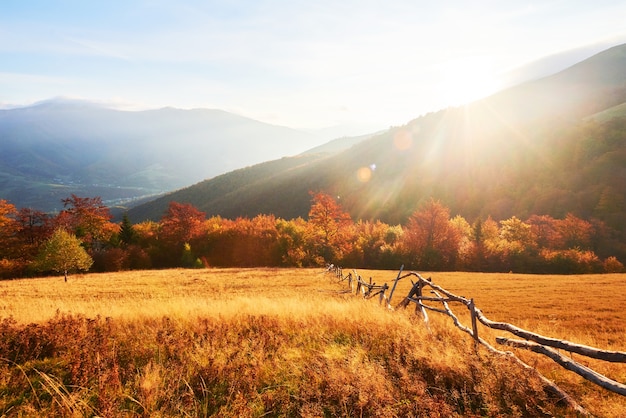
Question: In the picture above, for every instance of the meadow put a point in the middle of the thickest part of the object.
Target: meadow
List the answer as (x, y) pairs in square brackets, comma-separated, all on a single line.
[(292, 342)]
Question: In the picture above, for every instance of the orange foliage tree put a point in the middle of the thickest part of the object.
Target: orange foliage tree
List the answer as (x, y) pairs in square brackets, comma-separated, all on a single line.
[(375, 245), (8, 229), (329, 228), (575, 232), (88, 218), (182, 224), (292, 242), (431, 240), (10, 263), (243, 242)]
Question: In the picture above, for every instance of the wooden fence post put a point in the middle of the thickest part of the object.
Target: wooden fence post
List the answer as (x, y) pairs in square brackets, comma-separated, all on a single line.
[(472, 309), (394, 285), (418, 295), (382, 294)]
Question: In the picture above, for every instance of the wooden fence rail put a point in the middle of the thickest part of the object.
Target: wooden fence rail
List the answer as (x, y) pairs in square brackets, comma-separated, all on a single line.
[(538, 343)]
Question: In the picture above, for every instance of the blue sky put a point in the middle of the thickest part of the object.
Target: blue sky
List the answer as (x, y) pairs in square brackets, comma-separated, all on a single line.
[(304, 64)]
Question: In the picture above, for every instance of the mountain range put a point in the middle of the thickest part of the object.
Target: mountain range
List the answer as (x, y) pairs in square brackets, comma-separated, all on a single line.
[(551, 146), (58, 147)]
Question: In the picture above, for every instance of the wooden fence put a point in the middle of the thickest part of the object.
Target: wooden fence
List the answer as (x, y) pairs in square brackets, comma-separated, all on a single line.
[(533, 342)]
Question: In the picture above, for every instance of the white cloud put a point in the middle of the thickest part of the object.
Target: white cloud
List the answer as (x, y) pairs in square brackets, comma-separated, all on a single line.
[(295, 62)]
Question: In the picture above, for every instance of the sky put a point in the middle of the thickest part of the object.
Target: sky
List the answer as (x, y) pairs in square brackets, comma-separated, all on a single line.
[(362, 64)]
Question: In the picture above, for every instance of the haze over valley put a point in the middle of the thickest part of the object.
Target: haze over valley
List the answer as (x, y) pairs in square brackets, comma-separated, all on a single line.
[(59, 147)]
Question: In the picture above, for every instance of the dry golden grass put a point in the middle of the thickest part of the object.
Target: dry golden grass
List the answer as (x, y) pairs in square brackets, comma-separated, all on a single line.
[(585, 309), (275, 342), (178, 293)]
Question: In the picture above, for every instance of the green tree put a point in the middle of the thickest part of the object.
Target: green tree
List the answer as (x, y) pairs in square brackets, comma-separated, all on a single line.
[(127, 233), (516, 235), (63, 252)]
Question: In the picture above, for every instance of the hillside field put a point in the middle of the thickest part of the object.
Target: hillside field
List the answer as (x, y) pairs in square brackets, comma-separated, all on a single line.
[(292, 342)]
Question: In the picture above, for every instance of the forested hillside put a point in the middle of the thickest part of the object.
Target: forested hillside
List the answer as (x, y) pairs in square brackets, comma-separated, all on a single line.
[(551, 146)]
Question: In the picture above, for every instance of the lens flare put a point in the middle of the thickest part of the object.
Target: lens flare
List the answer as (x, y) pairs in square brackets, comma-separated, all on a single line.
[(402, 140), (364, 174)]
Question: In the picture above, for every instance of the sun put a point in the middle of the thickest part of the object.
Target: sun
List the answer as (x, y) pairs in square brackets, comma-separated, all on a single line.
[(467, 79)]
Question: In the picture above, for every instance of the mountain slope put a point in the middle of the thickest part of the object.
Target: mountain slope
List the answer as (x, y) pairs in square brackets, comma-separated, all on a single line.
[(55, 148), (525, 150), (248, 188)]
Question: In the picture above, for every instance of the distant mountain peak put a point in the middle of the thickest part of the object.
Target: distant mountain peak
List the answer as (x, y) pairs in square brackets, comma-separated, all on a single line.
[(65, 101)]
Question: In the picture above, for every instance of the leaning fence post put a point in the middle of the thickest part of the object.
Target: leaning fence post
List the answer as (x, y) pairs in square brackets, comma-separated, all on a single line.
[(382, 293), (472, 309), (418, 296), (394, 285)]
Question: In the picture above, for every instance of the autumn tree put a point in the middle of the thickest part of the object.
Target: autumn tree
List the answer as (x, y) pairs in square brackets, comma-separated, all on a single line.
[(465, 243), (35, 227), (517, 248), (259, 242), (575, 232), (9, 227), (431, 240), (329, 227), (146, 233), (516, 235), (545, 230), (63, 252), (292, 242), (88, 218), (182, 224), (374, 245), (245, 242)]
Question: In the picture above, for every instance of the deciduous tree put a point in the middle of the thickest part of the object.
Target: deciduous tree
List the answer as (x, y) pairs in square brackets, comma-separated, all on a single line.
[(516, 235), (63, 252), (8, 229), (329, 226), (182, 224), (34, 228), (575, 232), (88, 218), (431, 241)]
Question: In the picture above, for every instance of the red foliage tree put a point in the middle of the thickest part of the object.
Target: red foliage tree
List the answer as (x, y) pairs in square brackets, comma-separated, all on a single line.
[(88, 218), (431, 241), (545, 230), (575, 232), (329, 227), (182, 224), (35, 227)]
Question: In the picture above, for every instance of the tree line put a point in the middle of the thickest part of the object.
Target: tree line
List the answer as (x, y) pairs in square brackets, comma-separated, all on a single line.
[(83, 237)]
